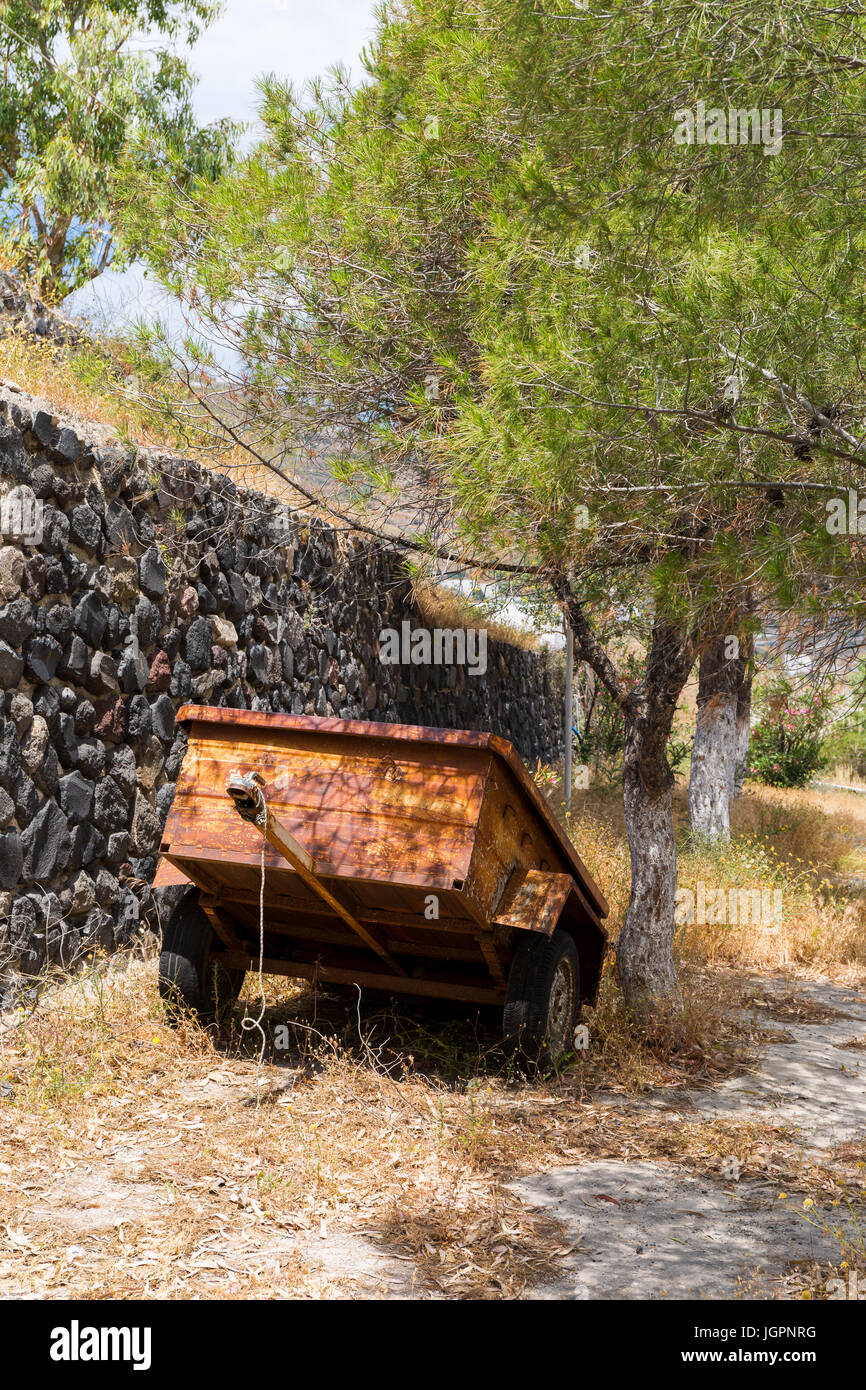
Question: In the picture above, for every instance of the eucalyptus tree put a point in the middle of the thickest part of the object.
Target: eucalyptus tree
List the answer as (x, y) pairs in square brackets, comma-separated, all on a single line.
[(589, 279), (84, 84)]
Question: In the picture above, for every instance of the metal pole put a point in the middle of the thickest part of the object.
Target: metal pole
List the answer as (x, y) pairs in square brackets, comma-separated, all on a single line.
[(569, 705)]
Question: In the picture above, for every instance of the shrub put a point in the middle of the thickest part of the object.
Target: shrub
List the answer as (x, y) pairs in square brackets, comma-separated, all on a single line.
[(786, 748)]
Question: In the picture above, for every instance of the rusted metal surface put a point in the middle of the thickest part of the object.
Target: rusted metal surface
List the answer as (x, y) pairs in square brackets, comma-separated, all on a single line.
[(368, 826), (533, 900)]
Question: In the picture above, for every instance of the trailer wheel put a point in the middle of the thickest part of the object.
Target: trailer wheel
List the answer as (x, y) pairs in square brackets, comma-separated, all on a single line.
[(192, 980), (543, 998)]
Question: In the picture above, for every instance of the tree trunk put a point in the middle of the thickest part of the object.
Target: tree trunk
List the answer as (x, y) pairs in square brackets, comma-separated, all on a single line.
[(644, 951), (714, 751), (744, 716)]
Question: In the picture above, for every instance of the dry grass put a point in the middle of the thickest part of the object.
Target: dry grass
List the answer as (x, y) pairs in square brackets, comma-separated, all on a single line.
[(445, 608), (143, 1160), (843, 774), (804, 843), (81, 383)]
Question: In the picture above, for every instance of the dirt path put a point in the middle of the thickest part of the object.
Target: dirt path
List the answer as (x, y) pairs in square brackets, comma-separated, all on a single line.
[(652, 1230)]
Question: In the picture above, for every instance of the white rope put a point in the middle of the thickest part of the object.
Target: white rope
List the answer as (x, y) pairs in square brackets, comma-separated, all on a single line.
[(248, 1023)]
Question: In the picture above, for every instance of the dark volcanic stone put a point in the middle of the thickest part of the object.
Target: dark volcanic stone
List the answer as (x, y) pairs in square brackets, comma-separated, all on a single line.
[(181, 681), (44, 481), (197, 644), (119, 847), (85, 527), (76, 571), (143, 868), (175, 757), (108, 890), (112, 465), (13, 457), (94, 499), (11, 859), (128, 915), (91, 758), (138, 722), (110, 811), (220, 589), (123, 769), (46, 843), (116, 627), (258, 663), (237, 606), (11, 667), (68, 445), (55, 578), (44, 426), (103, 673), (87, 845), (148, 621), (133, 672), (164, 799), (146, 828), (46, 701), (34, 581), (151, 573), (85, 717), (59, 621), (76, 797), (162, 718), (73, 663), (17, 621), (102, 580), (65, 740), (42, 656), (55, 531), (90, 618), (119, 523), (206, 601)]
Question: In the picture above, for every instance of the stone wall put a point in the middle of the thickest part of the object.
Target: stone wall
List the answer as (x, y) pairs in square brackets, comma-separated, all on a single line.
[(154, 583)]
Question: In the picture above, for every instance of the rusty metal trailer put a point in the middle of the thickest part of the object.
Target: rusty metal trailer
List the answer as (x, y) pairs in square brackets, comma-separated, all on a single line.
[(413, 860)]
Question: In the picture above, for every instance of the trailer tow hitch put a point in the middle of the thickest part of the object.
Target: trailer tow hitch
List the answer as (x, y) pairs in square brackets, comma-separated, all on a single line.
[(247, 791)]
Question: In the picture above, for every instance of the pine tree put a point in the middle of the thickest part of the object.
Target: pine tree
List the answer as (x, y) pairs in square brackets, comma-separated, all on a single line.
[(588, 285)]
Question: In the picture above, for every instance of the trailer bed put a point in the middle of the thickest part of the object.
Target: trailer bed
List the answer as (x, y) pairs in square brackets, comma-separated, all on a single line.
[(435, 843)]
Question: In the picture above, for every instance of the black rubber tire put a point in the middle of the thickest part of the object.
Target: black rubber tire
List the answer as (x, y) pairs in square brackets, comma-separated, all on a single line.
[(191, 978), (542, 1003)]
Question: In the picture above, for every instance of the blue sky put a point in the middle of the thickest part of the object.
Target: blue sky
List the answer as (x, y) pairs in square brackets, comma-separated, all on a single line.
[(296, 39), (293, 38)]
